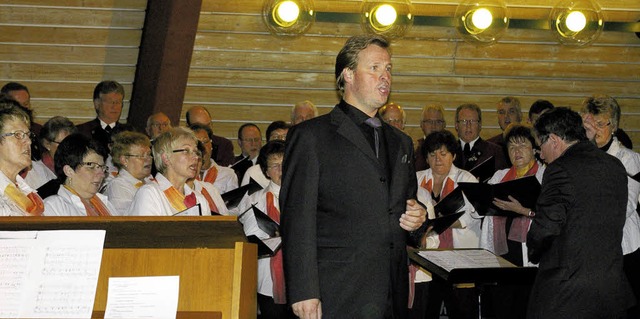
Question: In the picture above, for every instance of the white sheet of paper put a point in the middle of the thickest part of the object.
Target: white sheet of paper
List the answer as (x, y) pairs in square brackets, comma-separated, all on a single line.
[(193, 211), (49, 274), (143, 297), (273, 243), (472, 258)]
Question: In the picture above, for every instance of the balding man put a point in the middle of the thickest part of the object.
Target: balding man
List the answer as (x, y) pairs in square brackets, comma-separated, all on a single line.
[(393, 114), (222, 151), (20, 94), (157, 124), (303, 111)]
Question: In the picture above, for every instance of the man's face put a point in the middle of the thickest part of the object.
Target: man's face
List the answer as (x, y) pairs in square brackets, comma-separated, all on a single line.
[(22, 97), (251, 142), (368, 86), (393, 116), (203, 137), (432, 121), (157, 125), (468, 125), (508, 114), (109, 107), (549, 150), (302, 113)]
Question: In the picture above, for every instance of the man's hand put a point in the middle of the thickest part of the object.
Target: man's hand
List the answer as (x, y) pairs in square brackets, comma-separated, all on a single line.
[(308, 309), (413, 217)]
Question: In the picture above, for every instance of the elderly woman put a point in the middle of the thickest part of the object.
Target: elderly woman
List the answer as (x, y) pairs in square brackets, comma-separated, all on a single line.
[(17, 198), (502, 235), (434, 184), (176, 156), (131, 154), (206, 189), (223, 178), (51, 135), (602, 114), (80, 168), (506, 235), (271, 292)]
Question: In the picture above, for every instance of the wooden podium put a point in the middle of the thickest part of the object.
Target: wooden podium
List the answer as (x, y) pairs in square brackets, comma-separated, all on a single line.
[(217, 267)]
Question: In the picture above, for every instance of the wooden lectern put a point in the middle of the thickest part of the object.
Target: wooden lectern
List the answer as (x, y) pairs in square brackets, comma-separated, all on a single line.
[(216, 264)]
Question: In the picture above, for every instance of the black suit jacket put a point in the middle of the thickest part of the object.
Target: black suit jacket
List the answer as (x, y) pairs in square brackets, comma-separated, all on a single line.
[(222, 151), (342, 241), (576, 237), (481, 151), (93, 130)]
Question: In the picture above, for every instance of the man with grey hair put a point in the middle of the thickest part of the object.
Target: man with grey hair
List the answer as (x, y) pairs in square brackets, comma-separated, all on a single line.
[(108, 99), (348, 198), (303, 111)]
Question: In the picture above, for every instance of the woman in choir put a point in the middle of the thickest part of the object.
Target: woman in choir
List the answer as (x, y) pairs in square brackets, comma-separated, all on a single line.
[(434, 184), (131, 154), (271, 289), (223, 178), (206, 189), (51, 135), (506, 235), (176, 157), (602, 112), (17, 198), (80, 167)]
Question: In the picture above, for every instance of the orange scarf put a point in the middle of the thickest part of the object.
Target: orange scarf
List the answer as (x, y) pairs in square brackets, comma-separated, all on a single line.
[(178, 201), (93, 206), (31, 204), (446, 237), (212, 204), (277, 266), (212, 175)]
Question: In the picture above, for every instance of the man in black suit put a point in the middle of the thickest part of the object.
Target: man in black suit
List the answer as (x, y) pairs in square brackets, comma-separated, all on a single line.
[(576, 234), (473, 149), (107, 100), (222, 152), (348, 198)]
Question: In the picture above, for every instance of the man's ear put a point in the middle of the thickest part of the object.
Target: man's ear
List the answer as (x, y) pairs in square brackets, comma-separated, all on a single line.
[(347, 73)]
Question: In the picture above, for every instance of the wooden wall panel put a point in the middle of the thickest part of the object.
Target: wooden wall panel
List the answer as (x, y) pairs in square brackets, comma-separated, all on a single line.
[(242, 73), (60, 50)]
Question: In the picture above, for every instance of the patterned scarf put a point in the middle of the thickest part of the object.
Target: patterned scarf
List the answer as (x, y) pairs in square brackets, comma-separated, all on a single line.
[(31, 204)]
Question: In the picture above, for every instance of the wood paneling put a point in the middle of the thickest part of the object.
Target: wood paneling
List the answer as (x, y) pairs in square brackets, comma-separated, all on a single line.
[(60, 50), (242, 73)]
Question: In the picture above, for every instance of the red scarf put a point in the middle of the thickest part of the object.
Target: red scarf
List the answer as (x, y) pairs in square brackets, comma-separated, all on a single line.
[(519, 225), (277, 268), (446, 237), (212, 204)]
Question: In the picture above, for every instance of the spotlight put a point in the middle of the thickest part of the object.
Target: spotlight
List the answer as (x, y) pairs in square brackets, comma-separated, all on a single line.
[(288, 17), (390, 18), (481, 22), (576, 22)]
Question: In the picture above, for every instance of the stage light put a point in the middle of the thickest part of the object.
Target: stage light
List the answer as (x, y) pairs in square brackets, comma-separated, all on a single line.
[(288, 17), (390, 18), (578, 22), (481, 22)]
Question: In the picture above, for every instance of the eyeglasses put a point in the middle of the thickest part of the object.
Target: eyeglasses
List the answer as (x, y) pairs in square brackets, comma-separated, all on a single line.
[(19, 135), (187, 151), (433, 122), (394, 121), (160, 125), (602, 125), (95, 166), (277, 166), (468, 122), (205, 141), (252, 140), (55, 142), (143, 156), (511, 111), (279, 137)]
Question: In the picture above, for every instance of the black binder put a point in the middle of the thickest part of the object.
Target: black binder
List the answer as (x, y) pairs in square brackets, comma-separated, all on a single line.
[(484, 170), (526, 190), (447, 211), (233, 197)]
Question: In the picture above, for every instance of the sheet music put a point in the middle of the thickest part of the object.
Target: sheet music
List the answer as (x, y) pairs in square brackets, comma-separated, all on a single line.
[(53, 274), (464, 258), (143, 297), (273, 243)]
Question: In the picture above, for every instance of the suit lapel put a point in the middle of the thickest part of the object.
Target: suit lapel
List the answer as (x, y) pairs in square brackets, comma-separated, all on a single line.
[(347, 129)]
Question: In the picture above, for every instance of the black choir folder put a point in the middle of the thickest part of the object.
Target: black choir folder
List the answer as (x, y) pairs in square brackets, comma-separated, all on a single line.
[(447, 211), (526, 190), (233, 197), (484, 171), (269, 246)]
